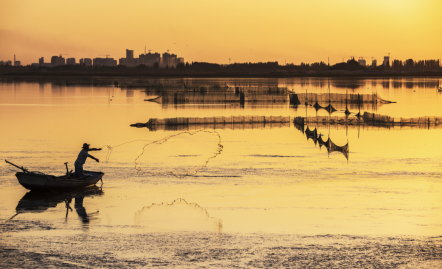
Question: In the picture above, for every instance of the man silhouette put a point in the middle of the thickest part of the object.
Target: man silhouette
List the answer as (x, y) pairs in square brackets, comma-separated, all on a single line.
[(81, 159)]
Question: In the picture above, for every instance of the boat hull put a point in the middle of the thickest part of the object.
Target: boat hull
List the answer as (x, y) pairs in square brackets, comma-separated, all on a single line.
[(40, 182)]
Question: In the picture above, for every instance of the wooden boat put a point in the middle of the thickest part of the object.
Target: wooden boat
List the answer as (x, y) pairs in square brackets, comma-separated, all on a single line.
[(40, 181), (36, 181)]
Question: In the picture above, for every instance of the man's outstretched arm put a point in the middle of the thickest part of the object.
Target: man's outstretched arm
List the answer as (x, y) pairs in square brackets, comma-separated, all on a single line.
[(92, 157)]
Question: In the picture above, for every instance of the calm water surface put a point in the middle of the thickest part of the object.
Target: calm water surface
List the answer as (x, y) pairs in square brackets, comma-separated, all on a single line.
[(270, 198)]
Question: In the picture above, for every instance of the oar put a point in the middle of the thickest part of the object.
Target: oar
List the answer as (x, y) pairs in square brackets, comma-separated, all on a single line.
[(11, 217), (24, 169)]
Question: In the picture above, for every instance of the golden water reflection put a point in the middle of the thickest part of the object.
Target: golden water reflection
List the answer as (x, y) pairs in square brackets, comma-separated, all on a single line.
[(265, 180)]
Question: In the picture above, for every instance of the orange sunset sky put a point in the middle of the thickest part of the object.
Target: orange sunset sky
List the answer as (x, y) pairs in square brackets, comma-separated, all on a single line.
[(214, 31)]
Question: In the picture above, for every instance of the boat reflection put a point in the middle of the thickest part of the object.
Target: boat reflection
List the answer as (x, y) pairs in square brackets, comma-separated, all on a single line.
[(37, 202)]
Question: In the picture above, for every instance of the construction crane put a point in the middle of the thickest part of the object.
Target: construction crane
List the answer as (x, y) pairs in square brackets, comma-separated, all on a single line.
[(107, 55), (63, 54)]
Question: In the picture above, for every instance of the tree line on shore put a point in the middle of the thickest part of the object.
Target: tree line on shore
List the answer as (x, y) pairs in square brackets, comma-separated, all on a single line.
[(351, 65), (410, 65)]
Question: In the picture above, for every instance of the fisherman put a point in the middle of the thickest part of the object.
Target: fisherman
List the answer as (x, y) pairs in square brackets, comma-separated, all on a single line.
[(81, 159)]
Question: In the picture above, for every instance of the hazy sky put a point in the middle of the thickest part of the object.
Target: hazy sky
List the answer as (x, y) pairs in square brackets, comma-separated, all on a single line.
[(214, 31)]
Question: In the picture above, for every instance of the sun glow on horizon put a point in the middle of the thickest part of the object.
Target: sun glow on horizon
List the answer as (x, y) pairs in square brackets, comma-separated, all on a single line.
[(245, 31)]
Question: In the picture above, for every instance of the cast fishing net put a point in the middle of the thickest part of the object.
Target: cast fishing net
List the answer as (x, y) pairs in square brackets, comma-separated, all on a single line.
[(186, 160)]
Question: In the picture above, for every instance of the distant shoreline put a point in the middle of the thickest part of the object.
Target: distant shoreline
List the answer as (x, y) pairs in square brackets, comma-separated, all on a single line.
[(182, 74)]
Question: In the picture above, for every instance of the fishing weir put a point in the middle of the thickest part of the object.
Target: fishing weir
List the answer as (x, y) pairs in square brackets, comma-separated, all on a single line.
[(370, 119), (232, 123), (315, 98), (241, 95)]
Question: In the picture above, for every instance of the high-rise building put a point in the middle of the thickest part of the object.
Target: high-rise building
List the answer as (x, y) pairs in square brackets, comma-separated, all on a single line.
[(374, 63), (57, 60), (70, 61), (150, 58), (129, 54), (86, 61), (123, 61), (386, 60), (41, 62), (105, 62), (361, 61), (172, 61), (129, 60)]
